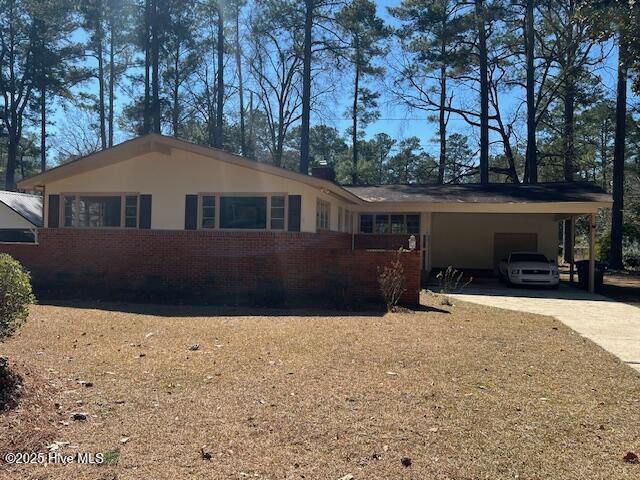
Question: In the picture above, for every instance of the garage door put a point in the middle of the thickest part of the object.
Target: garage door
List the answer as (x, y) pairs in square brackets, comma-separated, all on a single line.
[(505, 243)]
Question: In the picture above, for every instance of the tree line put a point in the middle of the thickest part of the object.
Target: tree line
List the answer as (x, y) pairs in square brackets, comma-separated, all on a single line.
[(514, 88)]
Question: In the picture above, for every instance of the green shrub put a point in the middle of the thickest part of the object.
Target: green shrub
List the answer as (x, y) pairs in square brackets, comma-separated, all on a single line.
[(15, 295)]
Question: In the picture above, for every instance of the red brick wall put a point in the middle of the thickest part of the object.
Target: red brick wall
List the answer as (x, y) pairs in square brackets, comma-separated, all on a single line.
[(236, 267), (372, 241)]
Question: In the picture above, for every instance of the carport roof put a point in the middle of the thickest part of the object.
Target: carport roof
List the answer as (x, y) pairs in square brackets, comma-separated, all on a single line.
[(27, 206), (489, 193)]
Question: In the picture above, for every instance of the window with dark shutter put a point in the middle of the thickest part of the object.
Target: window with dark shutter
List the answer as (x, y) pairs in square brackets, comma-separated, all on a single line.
[(191, 212), (54, 211), (295, 209)]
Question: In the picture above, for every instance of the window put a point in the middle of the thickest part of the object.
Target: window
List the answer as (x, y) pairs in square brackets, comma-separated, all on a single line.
[(96, 212), (208, 211), (383, 223), (366, 223), (240, 212), (243, 212), (322, 214), (413, 223), (397, 224), (340, 220), (131, 211), (277, 212), (101, 211), (69, 211)]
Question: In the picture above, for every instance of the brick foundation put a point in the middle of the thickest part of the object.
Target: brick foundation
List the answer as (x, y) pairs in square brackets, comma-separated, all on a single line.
[(226, 267)]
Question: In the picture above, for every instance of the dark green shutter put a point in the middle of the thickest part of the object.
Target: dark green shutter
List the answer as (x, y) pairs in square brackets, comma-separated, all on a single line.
[(191, 212), (54, 211), (145, 212), (295, 209)]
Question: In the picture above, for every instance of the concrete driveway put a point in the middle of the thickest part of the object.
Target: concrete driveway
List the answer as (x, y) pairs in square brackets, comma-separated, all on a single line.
[(613, 325)]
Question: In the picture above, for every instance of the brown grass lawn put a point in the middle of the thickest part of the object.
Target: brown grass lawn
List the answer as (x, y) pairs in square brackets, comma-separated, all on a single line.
[(473, 393)]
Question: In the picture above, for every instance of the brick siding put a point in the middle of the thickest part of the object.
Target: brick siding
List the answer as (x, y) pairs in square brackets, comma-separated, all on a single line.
[(384, 242), (226, 267)]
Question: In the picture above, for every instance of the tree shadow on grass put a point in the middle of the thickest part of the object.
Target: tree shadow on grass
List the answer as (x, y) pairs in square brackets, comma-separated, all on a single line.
[(199, 310)]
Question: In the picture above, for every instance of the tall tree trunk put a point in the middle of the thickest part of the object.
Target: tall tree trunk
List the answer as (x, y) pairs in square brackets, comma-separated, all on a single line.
[(618, 156), (531, 155), (146, 128), (484, 92), (12, 157), (442, 130), (243, 141), (354, 114), (568, 137), (306, 88), (220, 101), (43, 126), (175, 111), (112, 80), (155, 68), (101, 103), (252, 147)]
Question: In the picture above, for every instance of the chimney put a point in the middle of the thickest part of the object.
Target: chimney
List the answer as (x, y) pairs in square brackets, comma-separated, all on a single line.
[(325, 172)]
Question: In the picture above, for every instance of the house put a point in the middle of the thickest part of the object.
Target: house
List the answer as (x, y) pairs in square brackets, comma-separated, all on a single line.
[(161, 213), (20, 217)]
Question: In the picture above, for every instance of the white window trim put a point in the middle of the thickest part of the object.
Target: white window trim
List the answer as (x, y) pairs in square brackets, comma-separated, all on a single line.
[(320, 202), (268, 196), (76, 205)]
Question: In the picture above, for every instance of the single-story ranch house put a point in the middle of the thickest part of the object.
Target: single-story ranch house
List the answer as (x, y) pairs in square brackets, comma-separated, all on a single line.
[(161, 213)]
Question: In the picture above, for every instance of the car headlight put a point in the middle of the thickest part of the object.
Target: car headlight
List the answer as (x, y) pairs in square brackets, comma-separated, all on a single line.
[(555, 272), (515, 272)]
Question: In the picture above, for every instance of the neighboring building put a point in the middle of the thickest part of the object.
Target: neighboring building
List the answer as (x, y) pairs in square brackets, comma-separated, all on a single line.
[(20, 217), (161, 212)]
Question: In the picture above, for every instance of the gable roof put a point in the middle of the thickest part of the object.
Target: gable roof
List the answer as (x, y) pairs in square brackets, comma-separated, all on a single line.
[(430, 193), (161, 143), (490, 193), (27, 206)]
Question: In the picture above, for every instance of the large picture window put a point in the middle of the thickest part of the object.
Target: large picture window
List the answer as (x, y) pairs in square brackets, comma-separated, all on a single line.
[(96, 212), (393, 223), (243, 213), (100, 211)]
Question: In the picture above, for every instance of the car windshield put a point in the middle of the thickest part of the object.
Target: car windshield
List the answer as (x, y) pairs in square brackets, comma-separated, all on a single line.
[(528, 257)]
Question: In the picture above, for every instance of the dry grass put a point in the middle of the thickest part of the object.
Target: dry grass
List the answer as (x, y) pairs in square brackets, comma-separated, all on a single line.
[(475, 393)]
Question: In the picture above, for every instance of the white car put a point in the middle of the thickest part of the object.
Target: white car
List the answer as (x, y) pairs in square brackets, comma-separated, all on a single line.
[(529, 268)]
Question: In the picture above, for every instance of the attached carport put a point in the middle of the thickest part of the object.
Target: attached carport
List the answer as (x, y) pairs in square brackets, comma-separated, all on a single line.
[(20, 217), (471, 226)]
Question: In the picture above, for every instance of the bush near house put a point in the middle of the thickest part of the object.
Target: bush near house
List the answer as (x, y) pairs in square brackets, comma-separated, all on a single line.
[(392, 282), (15, 295)]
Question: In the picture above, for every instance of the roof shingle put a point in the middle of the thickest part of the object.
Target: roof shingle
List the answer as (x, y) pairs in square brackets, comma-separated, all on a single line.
[(489, 193)]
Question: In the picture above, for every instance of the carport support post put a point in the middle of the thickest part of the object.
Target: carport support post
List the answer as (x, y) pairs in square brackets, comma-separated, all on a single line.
[(592, 251), (572, 253)]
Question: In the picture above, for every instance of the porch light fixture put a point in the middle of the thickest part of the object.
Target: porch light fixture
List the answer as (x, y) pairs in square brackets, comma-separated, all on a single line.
[(412, 243)]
